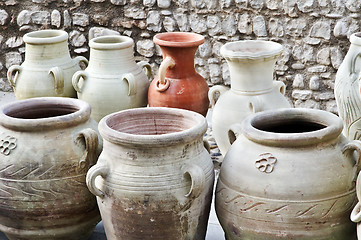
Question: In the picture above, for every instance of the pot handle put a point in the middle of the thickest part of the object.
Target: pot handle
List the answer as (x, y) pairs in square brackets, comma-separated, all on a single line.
[(82, 59), (58, 76), (356, 213), (147, 67), (355, 145), (132, 89), (93, 173), (214, 90), (255, 105), (281, 86), (198, 179), (162, 84), (353, 64), (233, 132), (89, 157), (13, 68), (75, 80)]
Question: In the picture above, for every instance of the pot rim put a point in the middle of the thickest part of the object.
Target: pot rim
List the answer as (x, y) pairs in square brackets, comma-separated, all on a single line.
[(355, 38), (48, 36), (266, 49), (110, 42), (81, 113), (189, 39), (332, 130), (167, 139)]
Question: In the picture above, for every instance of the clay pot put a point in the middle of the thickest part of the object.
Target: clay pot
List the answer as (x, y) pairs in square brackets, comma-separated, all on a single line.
[(178, 85), (47, 146), (289, 175), (112, 81), (251, 65), (47, 69), (156, 176), (347, 90)]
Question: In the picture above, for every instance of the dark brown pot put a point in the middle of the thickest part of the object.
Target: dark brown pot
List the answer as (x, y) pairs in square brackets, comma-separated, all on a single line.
[(178, 85)]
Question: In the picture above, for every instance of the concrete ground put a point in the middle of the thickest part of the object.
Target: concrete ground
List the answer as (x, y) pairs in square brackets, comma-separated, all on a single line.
[(214, 231)]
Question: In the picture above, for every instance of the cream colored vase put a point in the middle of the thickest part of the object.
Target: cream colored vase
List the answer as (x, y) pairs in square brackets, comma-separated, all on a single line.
[(289, 175), (47, 146), (48, 68), (251, 65), (347, 89), (112, 81), (155, 176)]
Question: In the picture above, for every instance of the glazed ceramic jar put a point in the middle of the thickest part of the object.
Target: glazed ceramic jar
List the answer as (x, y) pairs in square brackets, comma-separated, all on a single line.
[(154, 178), (347, 90), (177, 84), (47, 69), (251, 65), (113, 81), (289, 175), (47, 146)]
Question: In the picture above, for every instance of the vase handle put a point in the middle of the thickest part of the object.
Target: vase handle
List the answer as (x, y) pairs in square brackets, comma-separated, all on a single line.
[(281, 86), (147, 67), (233, 132), (355, 145), (93, 173), (58, 76), (75, 80), (353, 64), (89, 157), (255, 105), (356, 213), (162, 84), (132, 85), (218, 89), (11, 70), (198, 180), (81, 59)]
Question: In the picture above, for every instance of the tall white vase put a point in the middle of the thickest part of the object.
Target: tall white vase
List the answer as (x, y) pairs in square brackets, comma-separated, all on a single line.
[(251, 65), (347, 90), (113, 81), (47, 69)]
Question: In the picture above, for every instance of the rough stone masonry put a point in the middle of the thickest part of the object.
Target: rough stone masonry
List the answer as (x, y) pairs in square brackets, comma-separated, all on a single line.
[(314, 34)]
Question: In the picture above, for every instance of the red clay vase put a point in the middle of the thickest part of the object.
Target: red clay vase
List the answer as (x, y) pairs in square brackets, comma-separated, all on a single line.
[(178, 85)]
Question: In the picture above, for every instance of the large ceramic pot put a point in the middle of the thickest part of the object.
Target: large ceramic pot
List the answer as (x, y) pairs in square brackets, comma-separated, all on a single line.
[(251, 65), (47, 69), (112, 81), (178, 85), (347, 90), (47, 146), (289, 175), (156, 176)]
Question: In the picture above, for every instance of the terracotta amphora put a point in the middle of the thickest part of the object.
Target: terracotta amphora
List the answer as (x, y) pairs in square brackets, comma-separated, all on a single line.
[(347, 90), (48, 67), (290, 175), (154, 178), (178, 85), (47, 146), (251, 65), (113, 81)]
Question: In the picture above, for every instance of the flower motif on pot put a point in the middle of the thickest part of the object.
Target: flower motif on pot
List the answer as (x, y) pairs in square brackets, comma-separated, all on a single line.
[(7, 143), (266, 162)]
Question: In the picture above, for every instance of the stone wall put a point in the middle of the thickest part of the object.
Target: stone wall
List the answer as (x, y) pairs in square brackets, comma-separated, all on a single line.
[(314, 34)]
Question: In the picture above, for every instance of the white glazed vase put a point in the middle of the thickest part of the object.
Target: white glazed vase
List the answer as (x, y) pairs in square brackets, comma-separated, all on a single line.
[(251, 65), (347, 90), (113, 81), (47, 69)]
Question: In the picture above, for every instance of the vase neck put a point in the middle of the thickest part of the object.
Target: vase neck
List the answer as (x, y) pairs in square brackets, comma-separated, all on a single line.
[(47, 52), (113, 60), (184, 61), (251, 75)]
